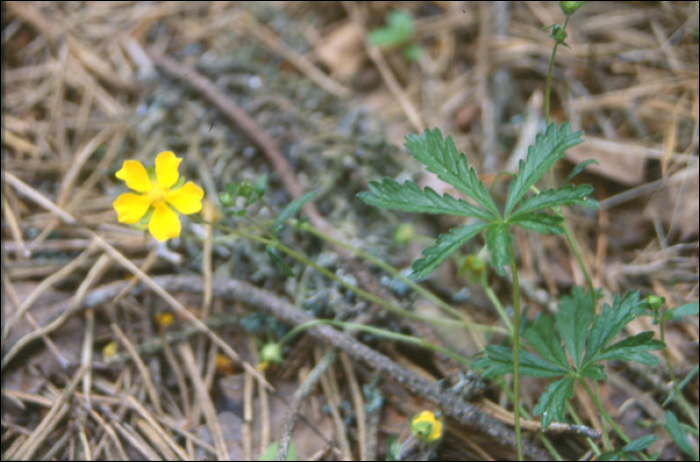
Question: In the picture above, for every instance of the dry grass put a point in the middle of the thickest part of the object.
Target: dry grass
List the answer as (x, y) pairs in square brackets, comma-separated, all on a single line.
[(84, 88)]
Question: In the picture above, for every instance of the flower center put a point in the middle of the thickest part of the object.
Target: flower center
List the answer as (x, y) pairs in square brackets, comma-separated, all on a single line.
[(157, 195)]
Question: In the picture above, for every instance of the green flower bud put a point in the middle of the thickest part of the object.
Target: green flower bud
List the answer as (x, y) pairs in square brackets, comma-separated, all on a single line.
[(404, 233), (655, 302), (558, 34), (271, 353), (569, 8), (226, 199)]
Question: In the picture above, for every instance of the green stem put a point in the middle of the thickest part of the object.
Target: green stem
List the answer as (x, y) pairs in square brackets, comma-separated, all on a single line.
[(356, 290), (496, 303), (557, 210), (574, 248), (662, 334), (678, 395), (258, 226), (516, 350), (549, 77), (548, 88), (607, 416), (577, 420), (386, 267), (603, 423), (374, 331), (541, 435)]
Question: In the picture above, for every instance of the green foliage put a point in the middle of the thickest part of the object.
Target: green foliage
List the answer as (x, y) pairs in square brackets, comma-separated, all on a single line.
[(243, 189), (410, 198), (569, 8), (678, 431), (412, 52), (498, 240), (271, 452), (399, 29), (392, 448), (579, 332), (540, 158), (279, 263), (539, 222), (627, 450), (578, 169), (290, 210), (565, 195), (398, 32), (689, 309), (445, 245), (440, 156)]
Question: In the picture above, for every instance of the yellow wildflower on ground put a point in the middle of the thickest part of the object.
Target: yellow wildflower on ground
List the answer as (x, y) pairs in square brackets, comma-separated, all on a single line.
[(108, 351), (157, 194), (427, 427), (165, 319)]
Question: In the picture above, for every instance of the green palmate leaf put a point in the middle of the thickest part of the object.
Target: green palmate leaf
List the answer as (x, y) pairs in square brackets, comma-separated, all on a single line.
[(444, 246), (410, 198), (611, 321), (499, 361), (632, 349), (498, 241), (552, 402), (540, 158), (678, 434), (442, 158), (290, 210), (567, 195), (542, 338), (573, 321), (539, 222), (594, 371)]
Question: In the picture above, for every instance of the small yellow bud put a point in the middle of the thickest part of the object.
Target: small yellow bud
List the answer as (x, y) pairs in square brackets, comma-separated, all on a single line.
[(165, 319), (108, 351)]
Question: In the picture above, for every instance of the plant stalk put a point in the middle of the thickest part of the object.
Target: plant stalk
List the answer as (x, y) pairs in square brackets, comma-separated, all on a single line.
[(516, 350)]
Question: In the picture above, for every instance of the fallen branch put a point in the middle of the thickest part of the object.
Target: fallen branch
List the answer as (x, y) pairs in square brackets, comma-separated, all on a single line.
[(451, 403)]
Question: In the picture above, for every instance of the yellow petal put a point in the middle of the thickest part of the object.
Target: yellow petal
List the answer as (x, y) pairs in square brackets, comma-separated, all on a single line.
[(134, 173), (187, 199), (437, 431), (131, 207), (164, 223), (166, 169)]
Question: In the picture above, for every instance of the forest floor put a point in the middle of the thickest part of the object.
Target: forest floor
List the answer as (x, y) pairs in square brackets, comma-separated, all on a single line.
[(118, 347)]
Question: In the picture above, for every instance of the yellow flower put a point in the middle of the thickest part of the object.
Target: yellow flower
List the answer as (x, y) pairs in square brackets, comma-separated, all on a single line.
[(160, 195), (165, 319), (108, 351), (426, 427)]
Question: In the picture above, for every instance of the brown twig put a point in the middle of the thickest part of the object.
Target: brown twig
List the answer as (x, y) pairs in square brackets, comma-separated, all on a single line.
[(450, 402), (295, 405), (380, 63), (256, 133), (314, 74)]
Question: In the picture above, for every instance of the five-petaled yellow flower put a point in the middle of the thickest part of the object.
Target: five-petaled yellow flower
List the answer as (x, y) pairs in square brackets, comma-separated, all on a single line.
[(159, 195), (427, 427)]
